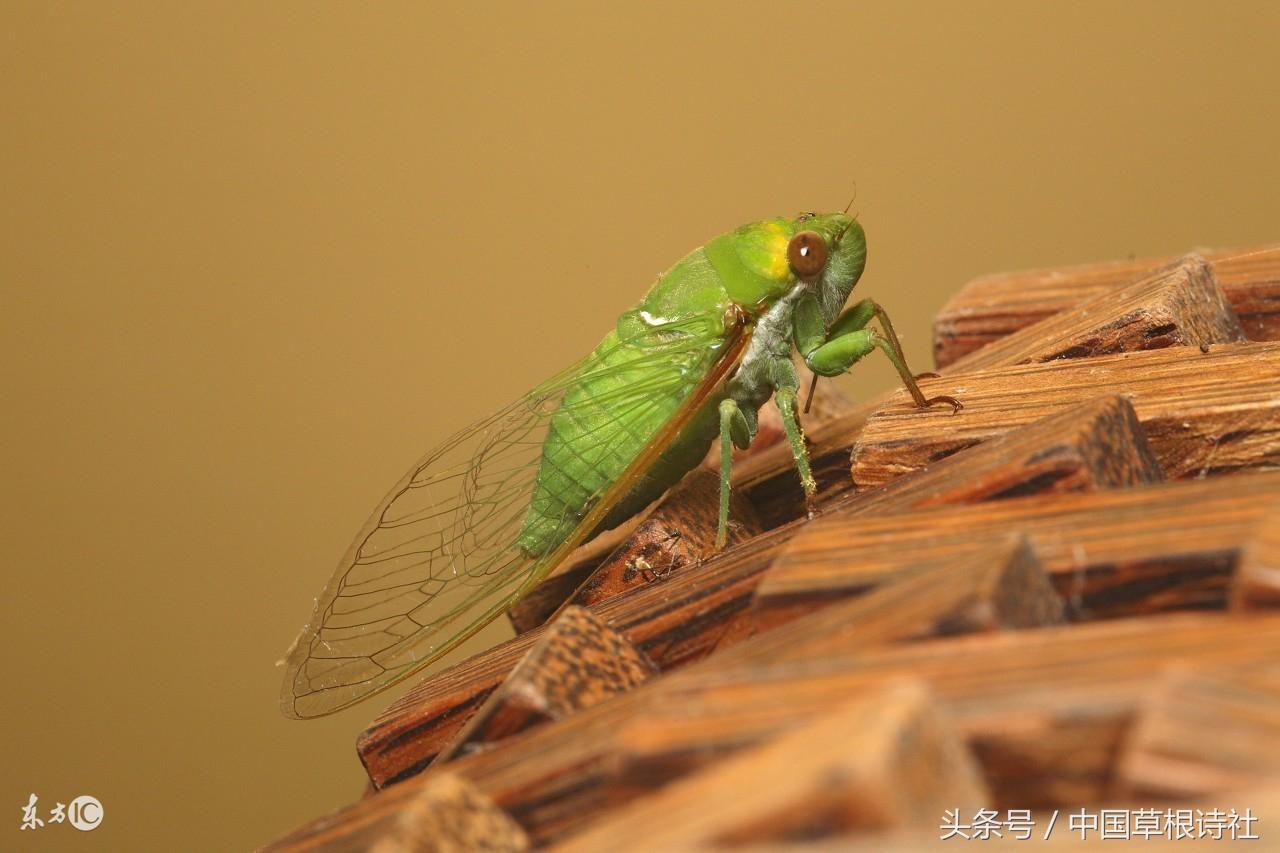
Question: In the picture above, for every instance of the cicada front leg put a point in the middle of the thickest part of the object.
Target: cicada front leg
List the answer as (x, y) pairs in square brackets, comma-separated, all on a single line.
[(832, 352)]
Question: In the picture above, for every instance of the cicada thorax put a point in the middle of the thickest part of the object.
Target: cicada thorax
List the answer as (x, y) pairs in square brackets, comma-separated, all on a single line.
[(669, 342)]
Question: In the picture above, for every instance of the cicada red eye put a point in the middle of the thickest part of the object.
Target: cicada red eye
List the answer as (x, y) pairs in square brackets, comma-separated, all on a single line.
[(807, 253)]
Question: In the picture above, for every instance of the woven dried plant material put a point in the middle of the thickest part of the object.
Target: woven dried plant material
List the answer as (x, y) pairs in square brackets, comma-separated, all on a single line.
[(1132, 566), (1201, 732), (1043, 732), (1098, 444), (1177, 305), (999, 586), (578, 662), (1039, 703), (543, 600), (1095, 446), (1119, 552), (886, 759), (683, 617), (995, 306), (675, 537), (438, 814), (1256, 584), (671, 622), (1204, 413)]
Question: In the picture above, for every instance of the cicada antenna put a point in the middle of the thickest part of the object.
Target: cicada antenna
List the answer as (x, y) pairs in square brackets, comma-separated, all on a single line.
[(852, 200), (846, 228)]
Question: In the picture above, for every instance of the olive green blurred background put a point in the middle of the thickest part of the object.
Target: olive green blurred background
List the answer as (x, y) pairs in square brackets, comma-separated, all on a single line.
[(256, 260)]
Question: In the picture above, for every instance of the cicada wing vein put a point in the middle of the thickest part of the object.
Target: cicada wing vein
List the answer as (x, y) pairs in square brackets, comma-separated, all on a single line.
[(440, 556)]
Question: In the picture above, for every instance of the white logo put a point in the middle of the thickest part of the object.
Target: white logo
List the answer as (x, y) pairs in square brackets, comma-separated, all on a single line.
[(85, 813)]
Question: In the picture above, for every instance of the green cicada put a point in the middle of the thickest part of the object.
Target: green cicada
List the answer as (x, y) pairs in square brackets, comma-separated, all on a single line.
[(480, 520)]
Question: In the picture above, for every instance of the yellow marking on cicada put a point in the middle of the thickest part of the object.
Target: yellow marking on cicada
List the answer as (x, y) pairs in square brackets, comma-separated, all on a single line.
[(775, 247)]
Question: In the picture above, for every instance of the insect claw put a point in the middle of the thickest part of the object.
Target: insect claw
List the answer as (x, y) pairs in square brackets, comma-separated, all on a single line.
[(955, 404)]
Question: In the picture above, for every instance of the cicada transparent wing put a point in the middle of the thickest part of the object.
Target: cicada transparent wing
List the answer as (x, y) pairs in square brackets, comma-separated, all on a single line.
[(440, 557)]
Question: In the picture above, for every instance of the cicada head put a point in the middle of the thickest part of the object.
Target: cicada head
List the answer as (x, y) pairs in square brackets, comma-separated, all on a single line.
[(762, 261), (828, 251)]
